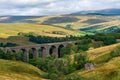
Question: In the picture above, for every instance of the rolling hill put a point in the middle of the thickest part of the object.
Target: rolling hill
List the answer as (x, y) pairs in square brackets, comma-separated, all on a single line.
[(12, 29), (107, 12), (12, 70), (82, 23), (14, 19), (86, 23), (106, 68), (9, 32), (55, 26), (107, 71)]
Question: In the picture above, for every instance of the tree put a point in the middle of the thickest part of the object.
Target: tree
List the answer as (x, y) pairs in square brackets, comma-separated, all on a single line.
[(80, 59), (115, 52), (53, 76), (109, 40), (69, 26), (1, 54), (69, 49)]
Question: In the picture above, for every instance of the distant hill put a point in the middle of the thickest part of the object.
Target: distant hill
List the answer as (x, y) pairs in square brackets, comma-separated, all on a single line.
[(108, 12), (11, 19), (98, 21)]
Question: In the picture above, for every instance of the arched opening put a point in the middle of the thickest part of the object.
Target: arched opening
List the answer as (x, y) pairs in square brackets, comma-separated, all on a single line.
[(12, 54), (20, 55), (14, 51), (31, 52), (59, 50), (76, 43), (40, 52), (53, 51)]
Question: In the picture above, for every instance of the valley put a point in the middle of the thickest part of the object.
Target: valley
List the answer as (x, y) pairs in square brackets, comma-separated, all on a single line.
[(99, 44), (59, 40)]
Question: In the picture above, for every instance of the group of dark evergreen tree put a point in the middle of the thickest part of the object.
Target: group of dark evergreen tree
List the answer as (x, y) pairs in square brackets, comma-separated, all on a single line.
[(107, 39), (46, 39)]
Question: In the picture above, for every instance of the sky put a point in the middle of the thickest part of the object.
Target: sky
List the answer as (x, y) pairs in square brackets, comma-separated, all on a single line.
[(53, 7)]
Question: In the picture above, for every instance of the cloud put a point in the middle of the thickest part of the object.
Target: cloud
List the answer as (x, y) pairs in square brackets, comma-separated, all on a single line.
[(51, 7)]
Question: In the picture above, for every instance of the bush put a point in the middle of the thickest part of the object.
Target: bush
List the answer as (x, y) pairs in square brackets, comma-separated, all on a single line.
[(74, 76), (109, 40), (1, 54), (115, 52), (11, 55), (80, 59), (33, 62), (69, 49), (53, 76)]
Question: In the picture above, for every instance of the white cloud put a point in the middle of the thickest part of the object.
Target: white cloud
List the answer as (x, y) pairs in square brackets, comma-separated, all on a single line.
[(49, 7)]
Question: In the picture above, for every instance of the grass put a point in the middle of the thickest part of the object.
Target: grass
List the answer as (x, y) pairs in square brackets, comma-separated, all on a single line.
[(12, 70), (17, 40), (107, 71), (12, 29), (9, 32), (101, 54), (106, 68)]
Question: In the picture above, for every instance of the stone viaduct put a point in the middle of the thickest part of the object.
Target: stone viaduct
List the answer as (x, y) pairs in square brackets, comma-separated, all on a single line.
[(47, 49)]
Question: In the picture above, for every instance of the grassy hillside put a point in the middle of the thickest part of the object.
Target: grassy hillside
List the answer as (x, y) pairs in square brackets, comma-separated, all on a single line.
[(89, 22), (101, 54), (12, 29), (92, 24), (107, 69), (76, 21), (9, 32), (21, 40), (84, 23), (12, 70)]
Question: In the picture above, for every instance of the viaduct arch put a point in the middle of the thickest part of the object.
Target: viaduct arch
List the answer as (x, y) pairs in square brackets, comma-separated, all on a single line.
[(49, 49)]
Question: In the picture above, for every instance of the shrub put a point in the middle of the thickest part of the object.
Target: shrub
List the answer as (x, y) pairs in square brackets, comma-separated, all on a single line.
[(53, 76), (74, 76), (69, 49), (1, 54), (115, 52), (80, 59)]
